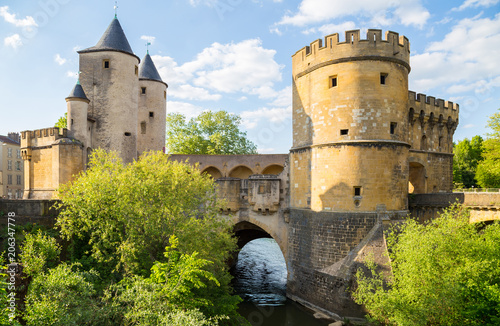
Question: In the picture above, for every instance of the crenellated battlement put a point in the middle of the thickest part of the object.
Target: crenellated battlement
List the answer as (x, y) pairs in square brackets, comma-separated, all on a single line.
[(429, 107), (42, 137), (392, 47)]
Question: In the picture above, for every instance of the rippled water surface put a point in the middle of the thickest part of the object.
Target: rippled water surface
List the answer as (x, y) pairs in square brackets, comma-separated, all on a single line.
[(260, 279)]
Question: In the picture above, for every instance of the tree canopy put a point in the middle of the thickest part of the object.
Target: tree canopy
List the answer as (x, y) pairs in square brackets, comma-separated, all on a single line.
[(146, 247), (209, 133), (488, 171), (468, 154), (444, 273), (62, 122)]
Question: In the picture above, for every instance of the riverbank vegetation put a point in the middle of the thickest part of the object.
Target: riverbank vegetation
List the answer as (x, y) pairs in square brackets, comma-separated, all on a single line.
[(142, 244), (445, 272), (476, 163)]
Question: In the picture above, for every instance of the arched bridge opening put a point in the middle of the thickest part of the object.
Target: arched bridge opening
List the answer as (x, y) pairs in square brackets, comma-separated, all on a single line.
[(259, 271)]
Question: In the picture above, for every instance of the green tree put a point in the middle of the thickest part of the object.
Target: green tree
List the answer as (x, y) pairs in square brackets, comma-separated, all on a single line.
[(39, 252), (62, 122), (468, 154), (168, 289), (64, 296), (444, 273), (488, 171), (209, 133), (120, 218)]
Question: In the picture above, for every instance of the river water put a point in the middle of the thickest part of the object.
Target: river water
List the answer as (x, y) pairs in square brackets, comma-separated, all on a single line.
[(260, 279)]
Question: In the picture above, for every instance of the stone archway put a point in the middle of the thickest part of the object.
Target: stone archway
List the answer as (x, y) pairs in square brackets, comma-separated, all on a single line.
[(417, 180), (213, 172), (273, 169), (241, 172)]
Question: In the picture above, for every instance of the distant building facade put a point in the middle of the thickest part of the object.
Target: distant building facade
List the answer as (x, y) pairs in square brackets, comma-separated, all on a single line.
[(117, 104), (11, 167)]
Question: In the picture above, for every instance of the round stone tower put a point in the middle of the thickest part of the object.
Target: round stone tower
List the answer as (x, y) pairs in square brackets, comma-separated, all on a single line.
[(78, 103), (110, 78), (152, 107), (78, 124), (350, 149)]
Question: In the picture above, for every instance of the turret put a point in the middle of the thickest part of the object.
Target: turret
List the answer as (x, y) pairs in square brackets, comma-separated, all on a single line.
[(152, 107), (78, 103), (110, 80)]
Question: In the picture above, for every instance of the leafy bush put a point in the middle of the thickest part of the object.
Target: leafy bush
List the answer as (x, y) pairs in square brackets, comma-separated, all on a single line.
[(39, 252), (65, 296), (444, 273)]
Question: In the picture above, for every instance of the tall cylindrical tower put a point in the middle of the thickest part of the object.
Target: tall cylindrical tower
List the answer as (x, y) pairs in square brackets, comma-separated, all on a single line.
[(350, 150), (110, 78), (152, 108), (78, 103)]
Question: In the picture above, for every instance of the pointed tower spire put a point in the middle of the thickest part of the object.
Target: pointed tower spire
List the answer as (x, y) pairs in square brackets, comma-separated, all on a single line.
[(148, 70), (113, 39), (77, 92)]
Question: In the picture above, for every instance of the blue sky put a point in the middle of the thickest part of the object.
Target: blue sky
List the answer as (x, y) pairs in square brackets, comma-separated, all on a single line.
[(235, 55)]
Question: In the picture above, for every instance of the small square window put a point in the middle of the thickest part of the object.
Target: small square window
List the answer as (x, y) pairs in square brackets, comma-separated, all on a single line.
[(333, 81), (143, 90), (128, 134), (383, 78), (143, 127), (105, 64), (393, 127), (344, 132), (151, 114), (357, 191)]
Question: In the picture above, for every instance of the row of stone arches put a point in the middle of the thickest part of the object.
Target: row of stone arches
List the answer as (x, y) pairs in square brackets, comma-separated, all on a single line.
[(242, 171)]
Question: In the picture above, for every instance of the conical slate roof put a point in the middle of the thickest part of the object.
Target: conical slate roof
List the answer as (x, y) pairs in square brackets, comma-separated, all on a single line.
[(77, 92), (148, 69), (113, 39)]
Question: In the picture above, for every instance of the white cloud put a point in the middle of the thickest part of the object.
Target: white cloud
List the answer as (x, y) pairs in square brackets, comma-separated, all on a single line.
[(71, 74), (475, 4), (11, 18), (251, 119), (188, 92), (465, 59), (469, 126), (13, 41), (381, 12), (244, 67), (209, 3), (59, 60), (187, 109), (328, 29), (149, 39), (283, 98)]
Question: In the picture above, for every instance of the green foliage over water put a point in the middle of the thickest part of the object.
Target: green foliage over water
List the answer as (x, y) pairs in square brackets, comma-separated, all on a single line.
[(146, 247), (445, 272)]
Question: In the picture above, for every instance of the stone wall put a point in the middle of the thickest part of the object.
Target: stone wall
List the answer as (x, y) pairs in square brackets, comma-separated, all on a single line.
[(483, 206), (318, 241), (29, 211)]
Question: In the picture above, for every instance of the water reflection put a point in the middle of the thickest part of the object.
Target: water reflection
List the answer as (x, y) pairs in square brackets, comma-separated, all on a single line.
[(260, 279)]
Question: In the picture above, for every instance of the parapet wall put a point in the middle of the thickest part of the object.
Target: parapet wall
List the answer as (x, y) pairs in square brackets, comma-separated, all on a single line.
[(42, 137), (393, 47), (440, 110)]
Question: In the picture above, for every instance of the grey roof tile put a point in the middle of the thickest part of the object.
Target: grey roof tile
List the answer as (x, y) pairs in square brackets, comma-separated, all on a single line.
[(148, 69), (113, 39), (77, 92)]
